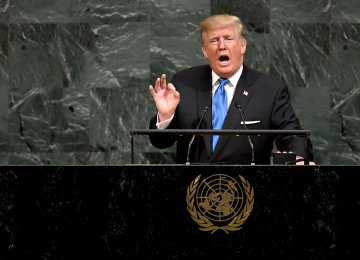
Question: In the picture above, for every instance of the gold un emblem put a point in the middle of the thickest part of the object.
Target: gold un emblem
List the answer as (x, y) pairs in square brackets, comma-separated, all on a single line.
[(220, 202)]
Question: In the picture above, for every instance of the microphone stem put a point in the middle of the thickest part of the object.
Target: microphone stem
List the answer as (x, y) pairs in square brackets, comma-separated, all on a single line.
[(248, 136), (252, 150), (193, 137), (188, 152)]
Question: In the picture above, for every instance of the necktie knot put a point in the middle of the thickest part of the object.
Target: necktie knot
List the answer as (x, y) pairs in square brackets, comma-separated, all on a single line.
[(223, 82)]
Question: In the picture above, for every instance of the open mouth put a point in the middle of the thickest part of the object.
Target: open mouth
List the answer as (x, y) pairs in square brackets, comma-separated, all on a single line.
[(224, 59)]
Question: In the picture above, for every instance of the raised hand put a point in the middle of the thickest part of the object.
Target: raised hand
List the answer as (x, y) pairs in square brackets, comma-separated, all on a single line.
[(165, 96)]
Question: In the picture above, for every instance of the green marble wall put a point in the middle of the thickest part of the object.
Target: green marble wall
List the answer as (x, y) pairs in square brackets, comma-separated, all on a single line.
[(74, 74)]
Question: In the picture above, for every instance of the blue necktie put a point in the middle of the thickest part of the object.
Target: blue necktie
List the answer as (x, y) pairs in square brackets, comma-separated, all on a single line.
[(219, 109)]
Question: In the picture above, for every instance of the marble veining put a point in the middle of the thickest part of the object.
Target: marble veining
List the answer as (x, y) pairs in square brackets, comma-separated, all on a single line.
[(74, 74)]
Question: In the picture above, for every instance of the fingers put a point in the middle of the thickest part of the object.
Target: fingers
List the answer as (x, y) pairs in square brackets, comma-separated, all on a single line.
[(160, 83), (152, 91), (170, 86), (303, 163), (163, 81), (157, 85), (174, 91)]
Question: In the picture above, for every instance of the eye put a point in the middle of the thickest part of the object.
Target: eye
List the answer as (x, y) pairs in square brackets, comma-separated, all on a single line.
[(214, 40)]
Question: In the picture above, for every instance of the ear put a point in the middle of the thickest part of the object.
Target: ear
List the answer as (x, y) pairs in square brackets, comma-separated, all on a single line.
[(204, 51), (243, 46)]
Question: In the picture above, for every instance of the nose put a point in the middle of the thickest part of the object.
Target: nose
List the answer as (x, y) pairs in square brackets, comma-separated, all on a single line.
[(222, 44)]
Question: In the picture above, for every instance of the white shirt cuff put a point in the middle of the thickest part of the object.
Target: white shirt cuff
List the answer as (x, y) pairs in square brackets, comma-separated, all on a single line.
[(164, 124)]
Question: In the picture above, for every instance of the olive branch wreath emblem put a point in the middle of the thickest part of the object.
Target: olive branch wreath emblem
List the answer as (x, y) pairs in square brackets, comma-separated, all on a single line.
[(205, 224)]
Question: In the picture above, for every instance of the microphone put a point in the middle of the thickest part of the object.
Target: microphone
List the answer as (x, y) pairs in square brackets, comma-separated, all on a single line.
[(248, 136), (193, 137)]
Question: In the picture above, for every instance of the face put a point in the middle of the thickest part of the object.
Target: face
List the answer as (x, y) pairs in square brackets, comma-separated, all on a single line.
[(224, 49)]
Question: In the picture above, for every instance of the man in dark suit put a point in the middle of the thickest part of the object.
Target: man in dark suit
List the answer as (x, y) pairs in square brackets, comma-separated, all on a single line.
[(225, 86)]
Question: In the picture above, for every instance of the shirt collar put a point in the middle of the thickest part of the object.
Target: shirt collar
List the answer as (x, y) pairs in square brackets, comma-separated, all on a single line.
[(233, 79)]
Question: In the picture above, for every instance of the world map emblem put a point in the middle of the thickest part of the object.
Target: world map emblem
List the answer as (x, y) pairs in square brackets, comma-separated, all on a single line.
[(220, 202)]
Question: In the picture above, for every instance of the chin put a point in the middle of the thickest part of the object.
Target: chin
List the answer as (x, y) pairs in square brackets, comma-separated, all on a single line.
[(225, 73)]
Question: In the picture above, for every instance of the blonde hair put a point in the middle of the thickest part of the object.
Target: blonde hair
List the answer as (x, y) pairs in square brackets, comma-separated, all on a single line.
[(220, 20)]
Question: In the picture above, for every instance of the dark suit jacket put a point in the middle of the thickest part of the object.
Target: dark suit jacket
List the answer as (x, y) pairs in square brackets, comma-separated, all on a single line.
[(265, 99)]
